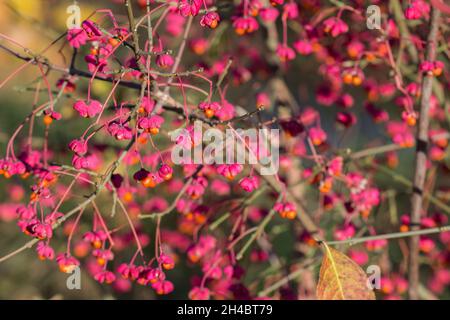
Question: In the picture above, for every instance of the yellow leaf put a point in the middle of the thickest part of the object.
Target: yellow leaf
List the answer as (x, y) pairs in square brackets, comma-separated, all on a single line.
[(341, 278)]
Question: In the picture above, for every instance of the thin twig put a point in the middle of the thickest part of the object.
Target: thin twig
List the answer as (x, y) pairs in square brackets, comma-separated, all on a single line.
[(176, 62), (258, 231), (395, 235), (291, 276), (106, 178)]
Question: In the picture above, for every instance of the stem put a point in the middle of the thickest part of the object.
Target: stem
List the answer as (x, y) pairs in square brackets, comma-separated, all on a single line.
[(401, 179), (177, 62), (308, 264), (421, 158), (133, 229), (134, 31), (258, 231), (72, 231), (403, 27), (375, 150), (91, 197), (394, 235)]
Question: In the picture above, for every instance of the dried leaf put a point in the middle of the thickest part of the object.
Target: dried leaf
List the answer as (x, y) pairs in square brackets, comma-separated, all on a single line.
[(341, 278)]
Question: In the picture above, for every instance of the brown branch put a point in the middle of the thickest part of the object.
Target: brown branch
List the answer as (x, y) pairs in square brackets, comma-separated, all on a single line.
[(134, 31), (421, 159)]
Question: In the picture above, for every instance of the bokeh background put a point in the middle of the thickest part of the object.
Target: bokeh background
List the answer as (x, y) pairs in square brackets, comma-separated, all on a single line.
[(35, 23)]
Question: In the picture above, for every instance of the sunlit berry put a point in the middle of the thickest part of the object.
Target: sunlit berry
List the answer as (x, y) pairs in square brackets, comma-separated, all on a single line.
[(209, 108), (410, 118), (285, 53), (347, 78), (165, 172), (166, 262), (210, 19), (148, 182), (163, 287), (45, 252), (286, 210), (48, 120), (326, 185), (105, 276), (245, 25), (127, 196), (113, 41), (66, 262), (198, 293), (317, 136)]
